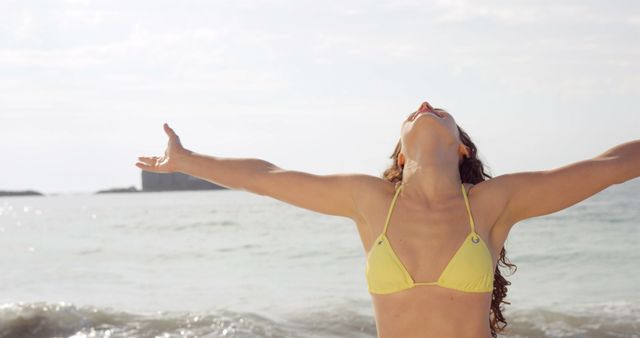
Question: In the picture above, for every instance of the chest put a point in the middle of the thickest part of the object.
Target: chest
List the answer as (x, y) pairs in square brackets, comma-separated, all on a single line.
[(421, 234)]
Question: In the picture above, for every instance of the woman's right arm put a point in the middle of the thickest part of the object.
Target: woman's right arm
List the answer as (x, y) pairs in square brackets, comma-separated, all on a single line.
[(335, 194)]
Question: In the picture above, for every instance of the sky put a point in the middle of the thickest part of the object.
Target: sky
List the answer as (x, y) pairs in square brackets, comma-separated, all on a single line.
[(316, 86)]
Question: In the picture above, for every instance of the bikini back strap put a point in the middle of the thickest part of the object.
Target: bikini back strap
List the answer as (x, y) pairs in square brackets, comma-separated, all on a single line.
[(466, 202), (393, 203)]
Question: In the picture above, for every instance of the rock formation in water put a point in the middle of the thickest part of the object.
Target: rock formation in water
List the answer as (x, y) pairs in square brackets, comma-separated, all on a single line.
[(174, 181), (20, 193), (112, 190)]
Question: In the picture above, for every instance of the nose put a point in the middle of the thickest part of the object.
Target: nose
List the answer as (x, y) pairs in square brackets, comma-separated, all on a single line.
[(425, 107)]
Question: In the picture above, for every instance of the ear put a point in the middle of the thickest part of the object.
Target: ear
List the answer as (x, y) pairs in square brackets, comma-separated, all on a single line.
[(464, 150), (401, 159)]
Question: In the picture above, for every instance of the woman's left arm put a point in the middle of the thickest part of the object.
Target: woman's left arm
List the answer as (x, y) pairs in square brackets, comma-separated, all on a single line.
[(536, 193)]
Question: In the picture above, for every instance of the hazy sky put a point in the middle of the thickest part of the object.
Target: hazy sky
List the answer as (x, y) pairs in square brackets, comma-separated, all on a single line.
[(318, 86)]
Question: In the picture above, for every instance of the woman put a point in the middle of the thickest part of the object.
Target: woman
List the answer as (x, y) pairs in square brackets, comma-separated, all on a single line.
[(433, 227)]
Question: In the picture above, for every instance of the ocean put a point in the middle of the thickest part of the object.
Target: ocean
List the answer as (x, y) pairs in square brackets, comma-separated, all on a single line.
[(234, 264)]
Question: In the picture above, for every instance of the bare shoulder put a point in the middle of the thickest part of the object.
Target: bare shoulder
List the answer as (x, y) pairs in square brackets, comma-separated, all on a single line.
[(372, 193), (489, 198), (332, 194), (522, 195)]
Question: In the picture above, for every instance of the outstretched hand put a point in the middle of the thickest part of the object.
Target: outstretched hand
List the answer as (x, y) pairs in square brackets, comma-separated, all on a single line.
[(168, 162)]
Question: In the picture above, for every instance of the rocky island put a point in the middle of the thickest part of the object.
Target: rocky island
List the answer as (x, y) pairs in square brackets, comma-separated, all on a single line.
[(20, 193), (117, 190), (166, 182), (175, 181)]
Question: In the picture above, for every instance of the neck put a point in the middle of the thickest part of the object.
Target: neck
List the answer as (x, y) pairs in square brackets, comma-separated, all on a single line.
[(433, 182)]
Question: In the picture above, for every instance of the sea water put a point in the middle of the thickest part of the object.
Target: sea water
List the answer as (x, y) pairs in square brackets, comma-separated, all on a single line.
[(229, 263)]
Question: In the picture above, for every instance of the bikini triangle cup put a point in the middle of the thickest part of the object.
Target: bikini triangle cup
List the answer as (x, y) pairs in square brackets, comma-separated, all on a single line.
[(469, 270)]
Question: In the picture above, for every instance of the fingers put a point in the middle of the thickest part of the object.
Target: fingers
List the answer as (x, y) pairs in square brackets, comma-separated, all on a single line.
[(143, 166), (148, 160), (148, 163), (153, 163), (169, 130)]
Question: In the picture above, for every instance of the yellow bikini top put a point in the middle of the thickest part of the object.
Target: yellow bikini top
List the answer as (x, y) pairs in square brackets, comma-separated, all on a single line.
[(469, 270)]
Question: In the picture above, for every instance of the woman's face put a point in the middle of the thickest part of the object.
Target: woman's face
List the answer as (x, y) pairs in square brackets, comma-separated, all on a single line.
[(429, 128)]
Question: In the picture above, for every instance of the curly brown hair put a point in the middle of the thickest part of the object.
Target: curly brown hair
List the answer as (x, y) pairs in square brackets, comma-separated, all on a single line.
[(471, 171)]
